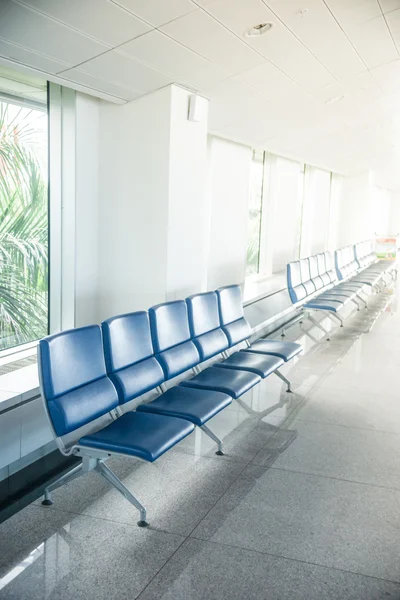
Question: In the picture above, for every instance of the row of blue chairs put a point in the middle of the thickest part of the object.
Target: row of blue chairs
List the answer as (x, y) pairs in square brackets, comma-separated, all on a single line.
[(327, 282), (88, 376)]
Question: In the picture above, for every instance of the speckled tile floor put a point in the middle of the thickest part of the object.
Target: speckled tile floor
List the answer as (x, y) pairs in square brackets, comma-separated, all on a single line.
[(305, 504)]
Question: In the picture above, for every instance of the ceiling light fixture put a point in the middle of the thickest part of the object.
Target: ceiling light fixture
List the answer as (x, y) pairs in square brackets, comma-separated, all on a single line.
[(258, 29)]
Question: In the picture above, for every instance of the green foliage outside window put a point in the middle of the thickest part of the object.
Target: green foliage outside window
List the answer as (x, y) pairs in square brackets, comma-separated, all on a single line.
[(23, 225)]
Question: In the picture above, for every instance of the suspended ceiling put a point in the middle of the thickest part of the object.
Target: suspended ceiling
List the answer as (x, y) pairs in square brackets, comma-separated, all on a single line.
[(323, 85)]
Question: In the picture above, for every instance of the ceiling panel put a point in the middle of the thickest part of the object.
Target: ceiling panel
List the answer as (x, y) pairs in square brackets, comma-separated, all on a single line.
[(393, 21), (388, 5), (363, 87), (354, 12), (31, 30), (157, 12), (388, 77), (278, 45), (317, 29), (93, 17), (126, 72), (373, 41), (82, 78), (27, 57), (203, 34), (160, 51), (269, 80)]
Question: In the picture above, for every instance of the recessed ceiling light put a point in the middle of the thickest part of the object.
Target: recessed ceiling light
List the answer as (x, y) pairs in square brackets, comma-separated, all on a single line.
[(258, 29)]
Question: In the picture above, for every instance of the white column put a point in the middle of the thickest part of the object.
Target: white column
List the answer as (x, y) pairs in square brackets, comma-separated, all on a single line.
[(153, 214)]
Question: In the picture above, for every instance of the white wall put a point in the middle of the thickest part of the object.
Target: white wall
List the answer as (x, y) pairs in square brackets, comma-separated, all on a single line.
[(316, 211), (395, 213), (364, 210), (228, 197), (86, 208), (188, 210)]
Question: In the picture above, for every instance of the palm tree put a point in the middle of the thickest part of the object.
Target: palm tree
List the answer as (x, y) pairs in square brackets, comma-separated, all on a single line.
[(23, 230)]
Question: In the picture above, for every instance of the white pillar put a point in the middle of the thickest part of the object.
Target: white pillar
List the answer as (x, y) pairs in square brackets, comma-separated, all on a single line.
[(153, 215)]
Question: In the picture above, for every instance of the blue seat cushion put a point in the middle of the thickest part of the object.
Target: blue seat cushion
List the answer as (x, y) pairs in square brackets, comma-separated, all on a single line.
[(195, 405), (371, 281), (324, 305), (231, 382), (137, 379), (352, 286), (139, 434), (261, 364), (285, 350), (343, 294), (342, 298)]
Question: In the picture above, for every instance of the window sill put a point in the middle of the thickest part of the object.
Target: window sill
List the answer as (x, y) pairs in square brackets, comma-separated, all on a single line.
[(18, 386), (263, 286), (17, 353)]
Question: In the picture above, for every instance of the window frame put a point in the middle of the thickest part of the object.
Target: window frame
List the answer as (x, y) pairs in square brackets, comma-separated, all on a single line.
[(61, 212)]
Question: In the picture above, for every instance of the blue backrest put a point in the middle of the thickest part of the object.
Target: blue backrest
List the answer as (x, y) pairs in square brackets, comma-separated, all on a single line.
[(314, 274), (322, 270), (73, 378), (330, 266), (171, 337), (230, 305), (129, 355), (296, 289), (306, 276), (346, 264), (205, 325), (364, 253)]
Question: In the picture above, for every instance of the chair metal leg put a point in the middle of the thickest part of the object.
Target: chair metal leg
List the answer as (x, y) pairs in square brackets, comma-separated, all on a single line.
[(289, 389), (113, 479), (356, 303), (315, 322), (332, 314), (66, 478), (362, 300), (215, 438)]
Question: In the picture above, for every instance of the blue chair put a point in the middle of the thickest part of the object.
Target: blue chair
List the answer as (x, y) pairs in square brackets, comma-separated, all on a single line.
[(369, 263), (328, 274), (238, 329), (177, 353), (347, 268), (133, 368), (77, 392), (211, 338)]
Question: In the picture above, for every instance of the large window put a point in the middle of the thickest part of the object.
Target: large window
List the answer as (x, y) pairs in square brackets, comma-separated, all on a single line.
[(286, 203), (23, 215), (255, 210)]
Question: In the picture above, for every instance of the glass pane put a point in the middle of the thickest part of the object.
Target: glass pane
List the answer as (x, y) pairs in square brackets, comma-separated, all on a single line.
[(286, 189), (317, 188), (254, 220), (23, 224)]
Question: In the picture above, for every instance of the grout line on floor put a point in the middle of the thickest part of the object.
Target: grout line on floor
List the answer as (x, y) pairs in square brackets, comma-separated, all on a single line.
[(298, 560), (396, 433), (353, 481)]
